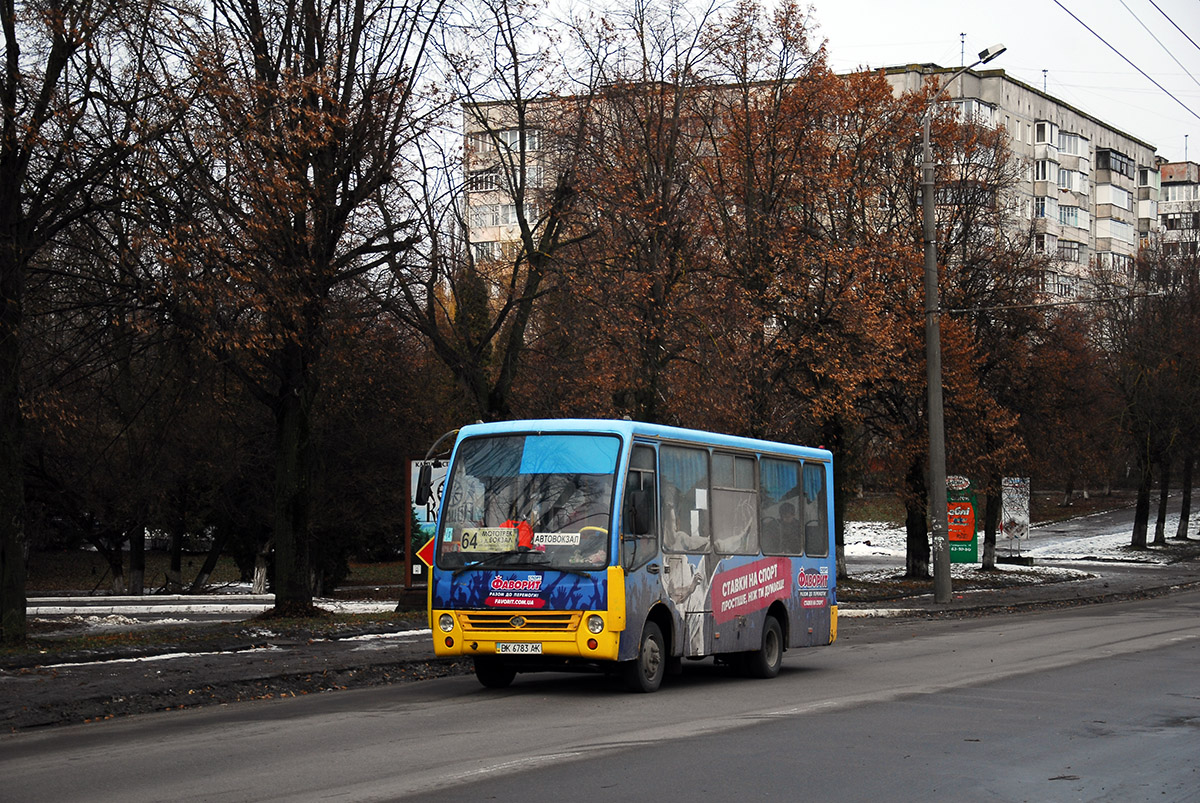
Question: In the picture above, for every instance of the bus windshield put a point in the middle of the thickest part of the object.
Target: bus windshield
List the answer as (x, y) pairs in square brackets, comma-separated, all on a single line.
[(529, 500)]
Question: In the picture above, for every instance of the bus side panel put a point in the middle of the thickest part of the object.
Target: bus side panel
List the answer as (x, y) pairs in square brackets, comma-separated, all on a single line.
[(745, 587)]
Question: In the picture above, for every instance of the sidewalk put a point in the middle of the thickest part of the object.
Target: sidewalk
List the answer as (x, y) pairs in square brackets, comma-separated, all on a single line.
[(162, 605), (265, 665)]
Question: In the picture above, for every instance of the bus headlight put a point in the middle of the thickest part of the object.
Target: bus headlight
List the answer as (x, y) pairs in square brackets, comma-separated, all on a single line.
[(595, 624), (446, 622)]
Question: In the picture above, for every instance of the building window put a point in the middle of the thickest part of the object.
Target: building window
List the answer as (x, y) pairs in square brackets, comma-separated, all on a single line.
[(1069, 216), (486, 215), (484, 180), (976, 111), (1179, 192), (1046, 243), (1118, 263), (1045, 170), (1045, 133), (485, 251), (1072, 144), (486, 141), (511, 139), (1045, 207), (483, 216), (1179, 221), (1114, 161), (1068, 251), (1115, 229), (480, 142), (1187, 248)]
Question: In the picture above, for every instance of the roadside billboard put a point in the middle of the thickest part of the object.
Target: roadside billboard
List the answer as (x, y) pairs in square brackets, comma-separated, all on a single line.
[(424, 516), (963, 532), (1014, 508)]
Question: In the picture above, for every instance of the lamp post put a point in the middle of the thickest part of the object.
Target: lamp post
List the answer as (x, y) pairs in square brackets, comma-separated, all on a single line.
[(942, 587)]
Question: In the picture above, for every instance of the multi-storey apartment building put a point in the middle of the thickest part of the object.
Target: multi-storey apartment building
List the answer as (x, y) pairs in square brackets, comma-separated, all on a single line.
[(1089, 190), (505, 165), (1179, 208)]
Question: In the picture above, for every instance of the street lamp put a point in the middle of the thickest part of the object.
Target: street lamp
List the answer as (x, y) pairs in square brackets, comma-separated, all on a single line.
[(942, 587)]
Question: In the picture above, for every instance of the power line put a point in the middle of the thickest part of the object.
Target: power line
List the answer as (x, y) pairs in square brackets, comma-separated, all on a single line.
[(1168, 17), (1127, 61), (1159, 41)]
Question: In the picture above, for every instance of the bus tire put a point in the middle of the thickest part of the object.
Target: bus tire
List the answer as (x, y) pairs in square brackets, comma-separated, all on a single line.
[(645, 673), (493, 673), (765, 662)]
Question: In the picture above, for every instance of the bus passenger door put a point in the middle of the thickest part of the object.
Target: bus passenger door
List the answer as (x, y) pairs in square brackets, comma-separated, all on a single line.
[(639, 545)]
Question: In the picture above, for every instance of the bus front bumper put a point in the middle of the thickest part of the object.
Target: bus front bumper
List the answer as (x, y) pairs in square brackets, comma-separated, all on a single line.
[(469, 632)]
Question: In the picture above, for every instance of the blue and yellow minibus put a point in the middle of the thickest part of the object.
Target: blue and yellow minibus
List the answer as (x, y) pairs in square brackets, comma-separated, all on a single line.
[(630, 547)]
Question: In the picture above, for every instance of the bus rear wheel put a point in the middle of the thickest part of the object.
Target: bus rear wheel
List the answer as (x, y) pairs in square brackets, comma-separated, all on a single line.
[(493, 673), (765, 662), (645, 673)]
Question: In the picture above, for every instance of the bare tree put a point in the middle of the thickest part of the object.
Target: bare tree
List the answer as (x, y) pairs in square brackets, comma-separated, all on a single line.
[(298, 155), (72, 88), (472, 294)]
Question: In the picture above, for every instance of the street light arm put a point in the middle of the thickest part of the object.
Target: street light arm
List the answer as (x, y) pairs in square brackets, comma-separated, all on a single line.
[(985, 56)]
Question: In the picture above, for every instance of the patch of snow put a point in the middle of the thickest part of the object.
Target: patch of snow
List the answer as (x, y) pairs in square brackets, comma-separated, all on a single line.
[(1107, 543), (355, 606), (170, 656), (403, 635)]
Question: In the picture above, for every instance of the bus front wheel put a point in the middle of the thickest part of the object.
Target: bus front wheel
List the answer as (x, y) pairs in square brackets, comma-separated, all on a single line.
[(645, 673), (493, 674), (765, 662)]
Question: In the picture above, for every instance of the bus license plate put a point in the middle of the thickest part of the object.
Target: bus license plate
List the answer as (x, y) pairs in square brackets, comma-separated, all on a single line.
[(518, 648)]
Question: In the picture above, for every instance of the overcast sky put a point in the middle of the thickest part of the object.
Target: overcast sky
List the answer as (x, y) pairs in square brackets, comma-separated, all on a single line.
[(1081, 70)]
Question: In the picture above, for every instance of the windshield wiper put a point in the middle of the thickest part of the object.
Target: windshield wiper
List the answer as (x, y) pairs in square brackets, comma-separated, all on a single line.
[(498, 559)]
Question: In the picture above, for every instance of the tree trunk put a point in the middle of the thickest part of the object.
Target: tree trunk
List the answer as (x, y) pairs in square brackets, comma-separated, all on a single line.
[(991, 521), (137, 561), (1068, 492), (1185, 502), (916, 554), (175, 566), (916, 523), (293, 475), (114, 557), (1141, 515), (839, 519), (259, 585), (12, 475), (834, 432), (1164, 493), (210, 561)]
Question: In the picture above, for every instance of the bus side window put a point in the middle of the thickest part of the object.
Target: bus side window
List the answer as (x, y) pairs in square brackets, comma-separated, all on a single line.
[(782, 508), (639, 520), (816, 525)]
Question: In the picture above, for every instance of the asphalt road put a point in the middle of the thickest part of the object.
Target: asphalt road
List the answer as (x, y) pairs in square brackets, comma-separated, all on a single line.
[(1088, 703)]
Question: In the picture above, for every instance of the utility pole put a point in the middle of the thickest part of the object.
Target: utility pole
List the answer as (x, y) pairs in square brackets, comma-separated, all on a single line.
[(942, 586)]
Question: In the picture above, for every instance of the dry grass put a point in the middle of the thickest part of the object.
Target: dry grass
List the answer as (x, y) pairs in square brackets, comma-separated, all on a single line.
[(85, 571)]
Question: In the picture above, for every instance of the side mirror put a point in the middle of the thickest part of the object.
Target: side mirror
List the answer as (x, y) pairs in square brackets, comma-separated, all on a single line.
[(424, 485)]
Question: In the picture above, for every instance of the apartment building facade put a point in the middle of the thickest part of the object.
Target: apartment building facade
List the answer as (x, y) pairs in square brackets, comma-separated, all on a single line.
[(1090, 192), (1179, 208)]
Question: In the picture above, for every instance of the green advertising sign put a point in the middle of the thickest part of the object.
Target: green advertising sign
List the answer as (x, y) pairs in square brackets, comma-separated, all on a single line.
[(963, 535)]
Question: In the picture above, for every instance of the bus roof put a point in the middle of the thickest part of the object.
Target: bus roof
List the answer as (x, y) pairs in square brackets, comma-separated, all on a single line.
[(632, 429)]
